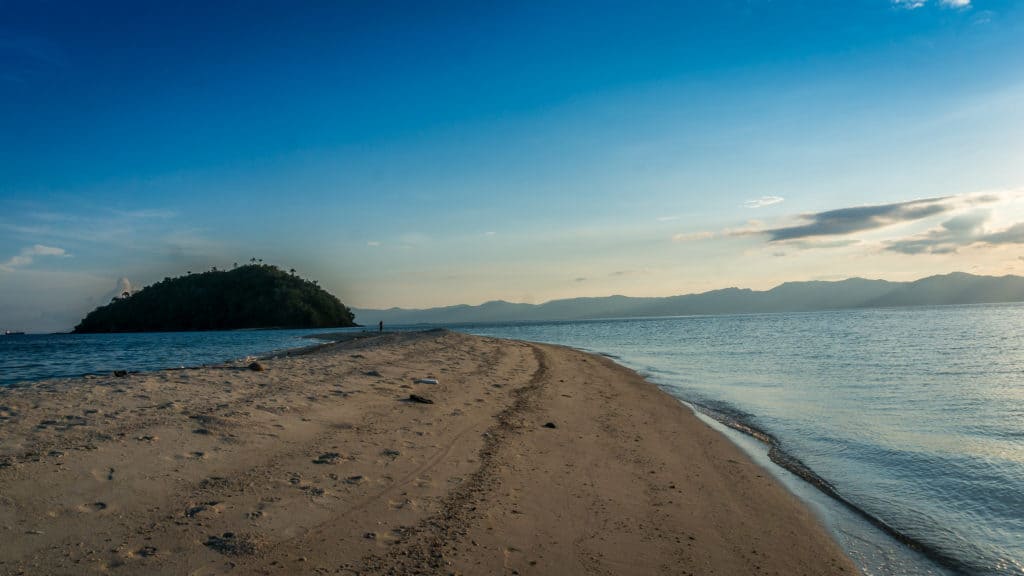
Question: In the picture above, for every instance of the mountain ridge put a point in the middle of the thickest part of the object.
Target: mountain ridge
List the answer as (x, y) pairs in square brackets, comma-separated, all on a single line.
[(793, 296)]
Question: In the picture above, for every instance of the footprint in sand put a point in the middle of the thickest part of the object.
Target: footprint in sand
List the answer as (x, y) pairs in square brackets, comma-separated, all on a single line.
[(328, 458)]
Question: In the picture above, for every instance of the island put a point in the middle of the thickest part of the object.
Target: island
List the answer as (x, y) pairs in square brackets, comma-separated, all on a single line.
[(249, 296)]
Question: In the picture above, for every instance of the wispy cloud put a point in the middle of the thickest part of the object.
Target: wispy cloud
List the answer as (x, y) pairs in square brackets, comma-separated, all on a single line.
[(958, 232), (692, 236), (29, 254), (372, 243), (413, 240), (104, 226), (915, 4), (1012, 235), (763, 201), (850, 220), (28, 51), (27, 57), (146, 214), (667, 218)]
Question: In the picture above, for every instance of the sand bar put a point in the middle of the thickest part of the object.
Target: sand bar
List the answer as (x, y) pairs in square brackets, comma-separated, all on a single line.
[(532, 459)]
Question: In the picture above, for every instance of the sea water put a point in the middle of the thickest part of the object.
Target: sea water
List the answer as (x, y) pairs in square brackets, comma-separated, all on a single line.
[(26, 357), (909, 423)]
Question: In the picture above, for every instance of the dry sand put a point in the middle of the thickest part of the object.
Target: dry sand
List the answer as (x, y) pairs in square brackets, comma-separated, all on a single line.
[(321, 465)]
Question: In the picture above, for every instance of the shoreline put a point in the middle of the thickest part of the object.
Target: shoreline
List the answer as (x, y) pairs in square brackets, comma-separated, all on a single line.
[(777, 460), (472, 483), (792, 464)]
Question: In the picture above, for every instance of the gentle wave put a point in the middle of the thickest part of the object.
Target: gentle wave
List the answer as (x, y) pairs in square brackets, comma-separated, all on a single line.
[(790, 462)]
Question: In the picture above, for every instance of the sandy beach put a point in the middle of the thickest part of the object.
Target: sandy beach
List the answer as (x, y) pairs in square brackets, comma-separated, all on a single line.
[(521, 459)]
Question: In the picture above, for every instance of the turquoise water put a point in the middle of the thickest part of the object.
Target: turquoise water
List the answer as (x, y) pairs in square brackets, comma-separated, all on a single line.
[(912, 417), (39, 356)]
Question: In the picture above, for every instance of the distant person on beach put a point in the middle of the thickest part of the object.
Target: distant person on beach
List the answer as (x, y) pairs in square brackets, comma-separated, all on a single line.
[(380, 326)]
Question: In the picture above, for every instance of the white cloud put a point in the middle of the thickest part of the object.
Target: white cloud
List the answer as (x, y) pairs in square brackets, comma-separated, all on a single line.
[(123, 285), (146, 213), (372, 243), (763, 201), (491, 233), (28, 255), (40, 250), (692, 236), (667, 218), (915, 4)]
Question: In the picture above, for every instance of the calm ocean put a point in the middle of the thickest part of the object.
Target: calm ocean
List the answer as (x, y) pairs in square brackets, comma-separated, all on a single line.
[(914, 417), (39, 356), (903, 428)]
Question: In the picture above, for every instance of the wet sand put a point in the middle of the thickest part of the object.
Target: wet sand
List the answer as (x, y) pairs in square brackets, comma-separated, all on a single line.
[(531, 459)]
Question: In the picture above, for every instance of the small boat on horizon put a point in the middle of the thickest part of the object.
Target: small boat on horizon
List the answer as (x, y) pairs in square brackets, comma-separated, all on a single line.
[(12, 333)]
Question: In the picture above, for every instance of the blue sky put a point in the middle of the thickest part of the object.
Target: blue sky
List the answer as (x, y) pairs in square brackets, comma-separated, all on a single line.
[(407, 154)]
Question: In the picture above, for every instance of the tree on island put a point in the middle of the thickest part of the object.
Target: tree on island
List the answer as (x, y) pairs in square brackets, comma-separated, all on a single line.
[(251, 296)]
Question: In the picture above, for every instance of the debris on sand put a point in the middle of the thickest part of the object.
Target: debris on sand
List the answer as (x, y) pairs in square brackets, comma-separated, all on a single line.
[(420, 399), (232, 544), (425, 381), (256, 367), (327, 458)]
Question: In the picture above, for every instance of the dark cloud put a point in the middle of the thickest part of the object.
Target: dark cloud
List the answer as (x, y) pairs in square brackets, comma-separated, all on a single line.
[(849, 220), (924, 245), (959, 231), (983, 199), (1012, 235), (965, 224), (956, 233)]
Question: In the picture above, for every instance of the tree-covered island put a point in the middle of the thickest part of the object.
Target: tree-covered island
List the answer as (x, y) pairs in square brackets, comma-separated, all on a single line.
[(250, 296)]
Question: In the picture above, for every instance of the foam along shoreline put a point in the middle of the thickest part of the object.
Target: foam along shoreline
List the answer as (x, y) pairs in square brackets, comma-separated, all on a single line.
[(322, 462), (783, 459)]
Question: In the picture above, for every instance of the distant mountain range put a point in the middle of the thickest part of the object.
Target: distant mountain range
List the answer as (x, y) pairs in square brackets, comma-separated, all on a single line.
[(955, 288)]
